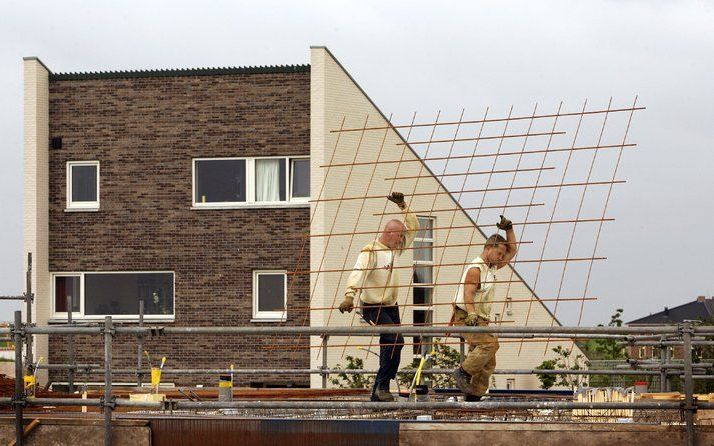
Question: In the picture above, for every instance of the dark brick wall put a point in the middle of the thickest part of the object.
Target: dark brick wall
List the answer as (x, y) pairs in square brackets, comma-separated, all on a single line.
[(145, 132)]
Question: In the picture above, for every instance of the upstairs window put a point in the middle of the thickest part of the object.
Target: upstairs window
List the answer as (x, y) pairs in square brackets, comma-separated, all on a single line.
[(270, 180), (300, 179), (221, 181), (83, 185), (227, 182)]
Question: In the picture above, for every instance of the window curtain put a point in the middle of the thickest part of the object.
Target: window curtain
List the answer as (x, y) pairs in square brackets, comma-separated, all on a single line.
[(267, 180)]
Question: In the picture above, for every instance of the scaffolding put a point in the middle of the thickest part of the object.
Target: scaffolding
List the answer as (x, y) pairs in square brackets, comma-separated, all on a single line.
[(683, 334)]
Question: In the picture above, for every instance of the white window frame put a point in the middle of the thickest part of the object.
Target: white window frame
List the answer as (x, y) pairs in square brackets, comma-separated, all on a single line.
[(270, 316), (248, 183), (433, 252), (250, 178), (61, 316), (290, 180), (427, 309), (81, 205)]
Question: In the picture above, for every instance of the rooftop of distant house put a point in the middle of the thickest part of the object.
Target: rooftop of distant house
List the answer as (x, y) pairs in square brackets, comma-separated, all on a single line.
[(701, 309)]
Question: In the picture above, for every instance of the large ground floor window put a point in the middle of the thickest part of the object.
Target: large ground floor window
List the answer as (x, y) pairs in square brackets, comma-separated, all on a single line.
[(94, 295)]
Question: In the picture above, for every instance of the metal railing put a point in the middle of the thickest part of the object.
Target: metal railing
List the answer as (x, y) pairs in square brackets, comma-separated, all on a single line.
[(23, 333)]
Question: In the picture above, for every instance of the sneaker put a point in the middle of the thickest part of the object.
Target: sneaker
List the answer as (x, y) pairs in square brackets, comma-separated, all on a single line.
[(463, 380), (382, 395)]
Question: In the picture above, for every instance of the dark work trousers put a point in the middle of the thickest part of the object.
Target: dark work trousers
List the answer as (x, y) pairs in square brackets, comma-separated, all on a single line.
[(390, 351)]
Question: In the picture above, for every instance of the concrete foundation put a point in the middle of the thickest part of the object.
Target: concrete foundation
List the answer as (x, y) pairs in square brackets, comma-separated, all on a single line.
[(160, 430), (78, 432), (552, 434)]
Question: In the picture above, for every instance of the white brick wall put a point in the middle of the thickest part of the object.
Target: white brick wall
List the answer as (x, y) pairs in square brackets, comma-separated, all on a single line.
[(36, 191), (334, 97)]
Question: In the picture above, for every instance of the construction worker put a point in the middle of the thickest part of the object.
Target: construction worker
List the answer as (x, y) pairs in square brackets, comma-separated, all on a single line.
[(374, 281), (472, 307)]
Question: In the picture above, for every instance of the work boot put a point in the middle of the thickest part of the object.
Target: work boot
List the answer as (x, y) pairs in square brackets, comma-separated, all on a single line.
[(468, 398), (382, 395), (463, 380)]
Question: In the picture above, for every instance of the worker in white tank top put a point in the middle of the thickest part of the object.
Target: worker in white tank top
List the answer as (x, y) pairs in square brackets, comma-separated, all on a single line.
[(472, 307), (484, 295)]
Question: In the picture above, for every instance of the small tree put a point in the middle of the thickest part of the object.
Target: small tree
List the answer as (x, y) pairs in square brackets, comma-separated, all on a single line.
[(352, 380), (547, 381), (607, 348), (564, 360)]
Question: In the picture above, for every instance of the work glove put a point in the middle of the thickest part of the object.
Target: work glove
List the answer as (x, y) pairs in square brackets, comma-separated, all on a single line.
[(504, 224), (398, 199), (347, 304), (471, 320)]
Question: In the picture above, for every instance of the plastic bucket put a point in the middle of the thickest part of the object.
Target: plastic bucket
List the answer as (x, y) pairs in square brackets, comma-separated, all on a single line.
[(225, 388)]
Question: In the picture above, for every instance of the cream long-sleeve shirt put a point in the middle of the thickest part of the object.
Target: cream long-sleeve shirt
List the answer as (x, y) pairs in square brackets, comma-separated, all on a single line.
[(375, 268)]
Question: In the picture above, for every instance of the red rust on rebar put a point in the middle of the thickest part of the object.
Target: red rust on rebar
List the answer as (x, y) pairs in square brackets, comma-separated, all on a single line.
[(580, 208), (466, 208), (517, 118), (479, 138), (441, 228), (604, 209), (552, 215), (482, 172), (572, 259), (437, 304), (494, 189), (483, 155)]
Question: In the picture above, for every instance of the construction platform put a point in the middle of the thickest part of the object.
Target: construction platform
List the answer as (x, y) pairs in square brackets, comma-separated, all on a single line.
[(137, 429)]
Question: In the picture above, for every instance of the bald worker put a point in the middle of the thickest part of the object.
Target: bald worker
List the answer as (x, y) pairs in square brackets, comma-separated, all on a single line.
[(374, 280)]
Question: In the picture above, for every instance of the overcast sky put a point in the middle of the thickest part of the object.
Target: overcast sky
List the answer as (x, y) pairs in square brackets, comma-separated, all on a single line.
[(426, 56)]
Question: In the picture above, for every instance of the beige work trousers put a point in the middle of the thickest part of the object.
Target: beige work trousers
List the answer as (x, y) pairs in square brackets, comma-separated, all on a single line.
[(480, 361)]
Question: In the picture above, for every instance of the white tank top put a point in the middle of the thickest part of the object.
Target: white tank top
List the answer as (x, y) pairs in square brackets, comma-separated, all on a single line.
[(484, 296)]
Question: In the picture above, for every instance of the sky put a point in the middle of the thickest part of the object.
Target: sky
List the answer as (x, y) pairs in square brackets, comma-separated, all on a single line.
[(425, 56)]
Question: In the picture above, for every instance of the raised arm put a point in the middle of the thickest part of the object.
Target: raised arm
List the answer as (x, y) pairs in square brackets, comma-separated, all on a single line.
[(410, 220), (511, 245)]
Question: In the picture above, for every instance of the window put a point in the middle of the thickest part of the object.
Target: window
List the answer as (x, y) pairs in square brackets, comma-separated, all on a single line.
[(423, 279), (509, 306), (300, 179), (270, 180), (510, 383), (67, 287), (221, 182), (269, 295), (117, 294), (83, 185)]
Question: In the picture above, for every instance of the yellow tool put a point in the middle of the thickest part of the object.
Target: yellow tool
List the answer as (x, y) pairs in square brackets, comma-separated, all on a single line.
[(417, 375)]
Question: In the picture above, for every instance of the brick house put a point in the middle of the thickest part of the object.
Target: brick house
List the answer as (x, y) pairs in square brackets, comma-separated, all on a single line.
[(189, 190), (701, 309)]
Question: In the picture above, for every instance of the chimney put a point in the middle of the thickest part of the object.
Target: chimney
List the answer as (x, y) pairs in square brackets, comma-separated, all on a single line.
[(701, 298)]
